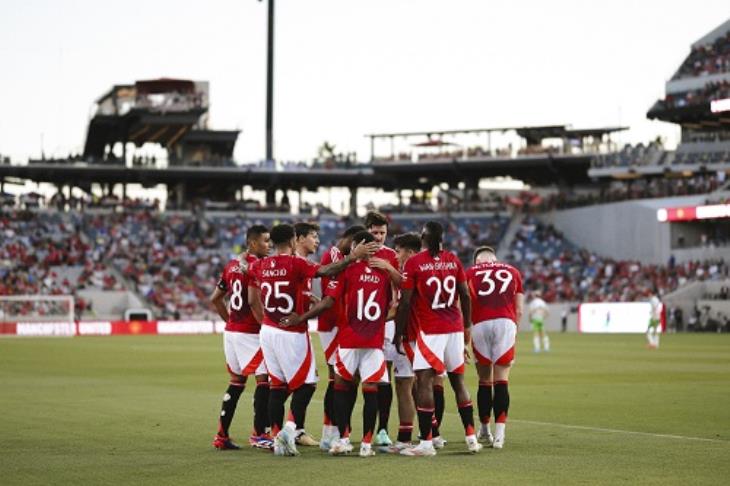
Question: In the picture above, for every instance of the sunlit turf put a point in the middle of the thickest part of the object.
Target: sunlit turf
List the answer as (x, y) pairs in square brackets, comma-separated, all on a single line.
[(142, 410)]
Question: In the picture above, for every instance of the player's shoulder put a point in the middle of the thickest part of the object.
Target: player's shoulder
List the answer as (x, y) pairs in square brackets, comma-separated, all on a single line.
[(387, 251), (234, 266), (250, 259), (333, 254)]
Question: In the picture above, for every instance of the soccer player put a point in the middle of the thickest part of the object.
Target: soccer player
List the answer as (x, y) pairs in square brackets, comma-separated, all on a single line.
[(406, 245), (538, 311), (327, 327), (652, 332), (366, 294), (377, 225), (307, 242), (241, 342), (434, 284), (276, 291), (497, 302)]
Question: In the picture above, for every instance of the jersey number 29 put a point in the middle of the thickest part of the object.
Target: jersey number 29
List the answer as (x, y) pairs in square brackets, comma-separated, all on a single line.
[(448, 286)]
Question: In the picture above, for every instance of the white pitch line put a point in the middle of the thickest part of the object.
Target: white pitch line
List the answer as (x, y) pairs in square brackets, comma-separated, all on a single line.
[(616, 431), (593, 429)]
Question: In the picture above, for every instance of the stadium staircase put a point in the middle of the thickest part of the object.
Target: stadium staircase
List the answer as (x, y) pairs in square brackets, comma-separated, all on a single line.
[(109, 304)]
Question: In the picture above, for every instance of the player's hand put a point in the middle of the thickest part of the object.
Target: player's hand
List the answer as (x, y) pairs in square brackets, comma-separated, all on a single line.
[(376, 262), (467, 336), (364, 249), (398, 343), (467, 342), (291, 320)]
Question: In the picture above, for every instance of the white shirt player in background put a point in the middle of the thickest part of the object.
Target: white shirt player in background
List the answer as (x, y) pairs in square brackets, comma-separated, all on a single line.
[(652, 332), (538, 312)]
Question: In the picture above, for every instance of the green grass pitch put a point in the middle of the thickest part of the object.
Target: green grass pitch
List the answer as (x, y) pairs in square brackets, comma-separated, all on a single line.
[(142, 410)]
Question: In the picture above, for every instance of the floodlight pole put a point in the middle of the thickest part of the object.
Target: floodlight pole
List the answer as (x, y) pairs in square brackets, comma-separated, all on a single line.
[(270, 86)]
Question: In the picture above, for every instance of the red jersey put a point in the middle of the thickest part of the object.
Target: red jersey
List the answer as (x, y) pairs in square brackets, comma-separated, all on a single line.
[(435, 299), (493, 287), (366, 294), (234, 281), (388, 254), (306, 291), (328, 319), (282, 280), (412, 325)]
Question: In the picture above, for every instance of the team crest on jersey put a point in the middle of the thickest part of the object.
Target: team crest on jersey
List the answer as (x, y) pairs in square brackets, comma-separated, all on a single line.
[(368, 270), (273, 263)]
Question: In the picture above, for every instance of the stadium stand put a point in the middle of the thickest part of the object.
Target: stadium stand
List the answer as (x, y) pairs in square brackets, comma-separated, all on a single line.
[(563, 272), (635, 189), (42, 253), (707, 59)]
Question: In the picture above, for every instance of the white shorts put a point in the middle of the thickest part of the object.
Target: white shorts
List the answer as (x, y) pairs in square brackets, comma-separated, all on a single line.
[(440, 352), (493, 341), (388, 348), (329, 344), (367, 362), (403, 364), (243, 353), (289, 357)]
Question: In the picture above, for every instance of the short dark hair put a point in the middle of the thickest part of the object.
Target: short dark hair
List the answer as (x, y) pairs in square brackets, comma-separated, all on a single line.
[(409, 241), (304, 228), (481, 250), (363, 237), (353, 230), (282, 233), (255, 232), (375, 218)]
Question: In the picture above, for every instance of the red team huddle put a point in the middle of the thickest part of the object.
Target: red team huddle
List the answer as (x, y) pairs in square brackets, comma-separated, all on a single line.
[(406, 312)]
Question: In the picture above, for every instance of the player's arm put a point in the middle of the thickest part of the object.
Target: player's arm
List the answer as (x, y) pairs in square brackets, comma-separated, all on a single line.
[(254, 301), (391, 312), (519, 307), (383, 264), (293, 319), (360, 251), (217, 299), (401, 317), (465, 302)]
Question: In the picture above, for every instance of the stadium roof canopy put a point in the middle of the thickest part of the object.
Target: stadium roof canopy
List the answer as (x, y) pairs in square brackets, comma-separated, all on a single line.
[(164, 111), (548, 131), (533, 135)]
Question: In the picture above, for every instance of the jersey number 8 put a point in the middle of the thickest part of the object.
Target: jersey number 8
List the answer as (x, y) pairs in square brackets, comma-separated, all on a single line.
[(237, 296)]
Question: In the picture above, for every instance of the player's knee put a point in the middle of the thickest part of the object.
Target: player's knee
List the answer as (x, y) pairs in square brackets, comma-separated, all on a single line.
[(501, 372), (237, 380)]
